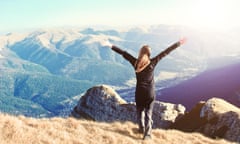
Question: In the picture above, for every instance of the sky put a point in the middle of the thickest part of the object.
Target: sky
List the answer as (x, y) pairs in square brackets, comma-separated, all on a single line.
[(20, 15)]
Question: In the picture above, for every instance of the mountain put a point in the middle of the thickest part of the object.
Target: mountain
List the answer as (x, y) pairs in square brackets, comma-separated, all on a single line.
[(34, 65), (44, 70), (72, 54), (39, 94), (220, 82)]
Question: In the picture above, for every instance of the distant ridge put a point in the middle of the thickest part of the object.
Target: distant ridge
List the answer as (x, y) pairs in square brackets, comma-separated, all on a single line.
[(223, 82)]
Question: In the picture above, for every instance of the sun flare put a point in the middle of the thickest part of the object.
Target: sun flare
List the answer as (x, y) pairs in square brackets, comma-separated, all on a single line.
[(212, 13)]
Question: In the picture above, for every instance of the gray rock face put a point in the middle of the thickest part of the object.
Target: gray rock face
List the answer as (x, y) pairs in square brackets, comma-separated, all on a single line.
[(102, 103), (223, 119), (215, 118)]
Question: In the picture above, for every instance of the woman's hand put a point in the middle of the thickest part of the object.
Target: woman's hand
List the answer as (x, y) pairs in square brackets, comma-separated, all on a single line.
[(183, 40), (106, 44)]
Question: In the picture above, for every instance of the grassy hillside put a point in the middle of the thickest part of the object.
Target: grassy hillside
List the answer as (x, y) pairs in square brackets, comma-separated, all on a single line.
[(38, 94), (24, 130)]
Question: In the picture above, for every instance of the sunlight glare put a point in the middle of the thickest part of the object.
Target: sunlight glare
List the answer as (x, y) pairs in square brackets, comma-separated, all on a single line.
[(218, 14)]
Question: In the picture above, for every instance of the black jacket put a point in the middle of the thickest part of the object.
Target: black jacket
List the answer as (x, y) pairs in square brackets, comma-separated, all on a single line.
[(145, 88)]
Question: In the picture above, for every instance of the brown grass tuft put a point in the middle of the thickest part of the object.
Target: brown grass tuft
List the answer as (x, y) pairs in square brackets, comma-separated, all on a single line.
[(24, 130)]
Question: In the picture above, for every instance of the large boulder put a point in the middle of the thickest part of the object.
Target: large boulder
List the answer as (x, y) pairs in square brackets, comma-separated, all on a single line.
[(102, 103), (223, 119), (215, 118)]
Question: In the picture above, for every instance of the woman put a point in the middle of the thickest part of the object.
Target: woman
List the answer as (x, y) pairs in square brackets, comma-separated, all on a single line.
[(145, 88)]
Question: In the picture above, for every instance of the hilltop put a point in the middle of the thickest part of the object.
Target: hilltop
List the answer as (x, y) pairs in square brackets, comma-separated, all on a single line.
[(214, 118), (102, 116), (24, 130)]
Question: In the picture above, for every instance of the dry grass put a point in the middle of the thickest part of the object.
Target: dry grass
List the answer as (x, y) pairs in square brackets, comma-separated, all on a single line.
[(22, 130)]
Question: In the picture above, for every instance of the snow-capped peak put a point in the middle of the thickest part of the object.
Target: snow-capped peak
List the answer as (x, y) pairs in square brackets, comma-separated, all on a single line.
[(10, 39), (101, 39), (49, 38)]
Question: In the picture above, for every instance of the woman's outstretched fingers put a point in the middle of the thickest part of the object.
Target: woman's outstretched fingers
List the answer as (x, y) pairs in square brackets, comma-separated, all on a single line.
[(183, 40), (106, 43)]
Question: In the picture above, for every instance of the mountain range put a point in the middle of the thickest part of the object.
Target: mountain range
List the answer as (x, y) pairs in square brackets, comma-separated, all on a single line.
[(43, 72)]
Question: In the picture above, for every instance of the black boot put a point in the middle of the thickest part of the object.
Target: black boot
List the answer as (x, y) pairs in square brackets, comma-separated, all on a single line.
[(147, 137)]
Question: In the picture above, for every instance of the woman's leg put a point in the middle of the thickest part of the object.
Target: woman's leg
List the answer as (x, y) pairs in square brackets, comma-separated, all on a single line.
[(141, 119), (149, 121)]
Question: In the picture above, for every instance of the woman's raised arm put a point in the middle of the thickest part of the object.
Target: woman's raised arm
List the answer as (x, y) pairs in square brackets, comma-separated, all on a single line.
[(168, 50)]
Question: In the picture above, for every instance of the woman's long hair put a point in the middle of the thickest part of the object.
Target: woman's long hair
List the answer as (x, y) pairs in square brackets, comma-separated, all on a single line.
[(143, 58)]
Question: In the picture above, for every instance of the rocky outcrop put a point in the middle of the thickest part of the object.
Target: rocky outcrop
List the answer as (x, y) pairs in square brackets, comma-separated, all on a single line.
[(223, 119), (215, 118), (102, 103)]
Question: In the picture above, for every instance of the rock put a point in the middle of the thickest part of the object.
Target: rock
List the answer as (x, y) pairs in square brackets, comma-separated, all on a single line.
[(223, 119), (165, 114), (191, 121), (102, 103), (215, 106), (215, 118)]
